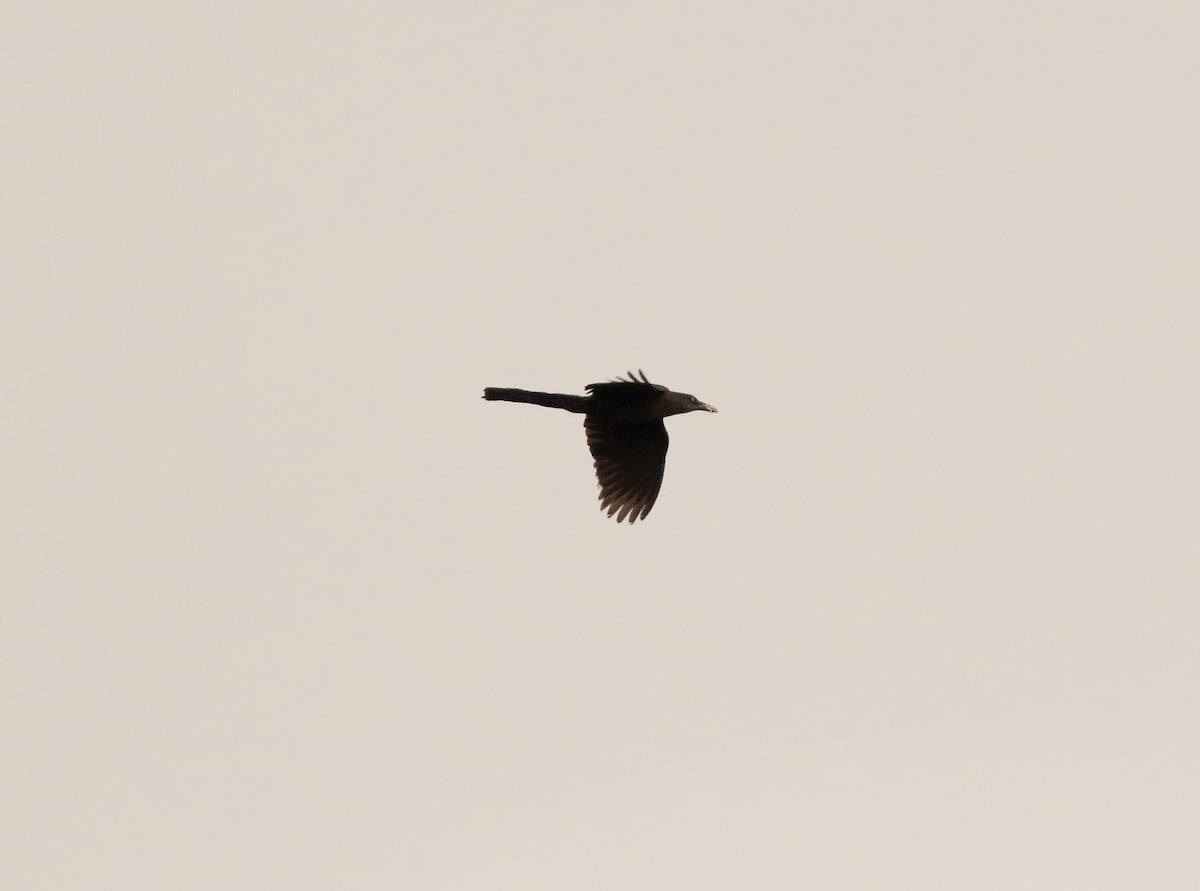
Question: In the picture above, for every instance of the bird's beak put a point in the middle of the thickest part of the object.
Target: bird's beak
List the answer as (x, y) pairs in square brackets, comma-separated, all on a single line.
[(707, 407)]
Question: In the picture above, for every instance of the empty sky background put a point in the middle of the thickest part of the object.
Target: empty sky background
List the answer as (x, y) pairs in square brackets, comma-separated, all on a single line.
[(285, 604)]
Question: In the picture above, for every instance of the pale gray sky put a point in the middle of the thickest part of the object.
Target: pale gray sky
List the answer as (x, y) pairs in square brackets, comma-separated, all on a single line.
[(287, 605)]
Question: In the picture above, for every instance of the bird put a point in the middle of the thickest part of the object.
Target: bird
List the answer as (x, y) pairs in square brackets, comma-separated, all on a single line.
[(623, 421)]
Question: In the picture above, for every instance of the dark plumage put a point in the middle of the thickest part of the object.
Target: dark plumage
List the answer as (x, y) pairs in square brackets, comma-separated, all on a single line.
[(623, 420)]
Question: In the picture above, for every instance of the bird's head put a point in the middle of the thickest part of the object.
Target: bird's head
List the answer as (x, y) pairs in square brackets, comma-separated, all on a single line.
[(679, 403)]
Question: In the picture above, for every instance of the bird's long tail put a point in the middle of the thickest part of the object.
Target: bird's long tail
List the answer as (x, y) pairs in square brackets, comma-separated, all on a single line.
[(577, 404)]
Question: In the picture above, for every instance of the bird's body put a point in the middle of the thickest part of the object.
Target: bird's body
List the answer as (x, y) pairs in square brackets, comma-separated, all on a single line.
[(623, 420)]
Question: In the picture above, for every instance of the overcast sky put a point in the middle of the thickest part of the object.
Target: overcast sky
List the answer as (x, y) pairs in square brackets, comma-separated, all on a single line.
[(285, 604)]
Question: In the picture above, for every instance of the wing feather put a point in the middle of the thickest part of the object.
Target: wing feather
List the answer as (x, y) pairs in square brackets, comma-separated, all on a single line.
[(629, 459)]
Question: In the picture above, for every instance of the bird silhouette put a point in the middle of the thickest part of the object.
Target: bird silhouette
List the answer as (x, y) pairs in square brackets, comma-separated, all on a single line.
[(623, 420)]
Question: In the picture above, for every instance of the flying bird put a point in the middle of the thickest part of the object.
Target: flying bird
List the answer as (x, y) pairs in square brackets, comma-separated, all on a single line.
[(623, 420)]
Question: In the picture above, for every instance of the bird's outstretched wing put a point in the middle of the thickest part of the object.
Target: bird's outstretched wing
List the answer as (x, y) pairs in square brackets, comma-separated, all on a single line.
[(629, 459)]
